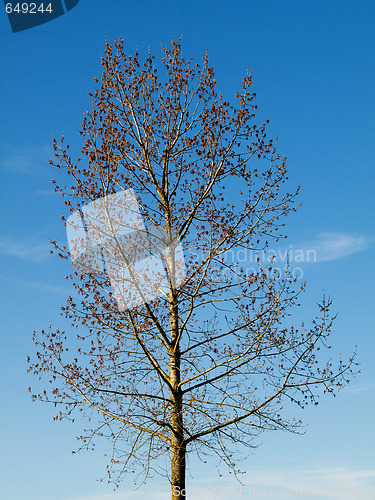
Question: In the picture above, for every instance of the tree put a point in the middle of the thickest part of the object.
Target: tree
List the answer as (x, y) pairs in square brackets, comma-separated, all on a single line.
[(207, 358)]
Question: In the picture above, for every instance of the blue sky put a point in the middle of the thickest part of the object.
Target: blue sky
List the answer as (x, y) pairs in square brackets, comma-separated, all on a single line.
[(313, 66)]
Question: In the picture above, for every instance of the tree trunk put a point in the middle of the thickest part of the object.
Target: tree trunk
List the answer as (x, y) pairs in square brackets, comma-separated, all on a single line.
[(178, 466), (178, 463), (178, 443)]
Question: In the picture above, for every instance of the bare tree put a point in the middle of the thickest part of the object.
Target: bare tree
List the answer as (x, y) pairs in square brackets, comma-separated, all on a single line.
[(209, 359)]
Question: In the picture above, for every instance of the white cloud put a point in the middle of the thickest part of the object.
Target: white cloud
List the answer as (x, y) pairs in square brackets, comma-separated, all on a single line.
[(278, 483), (26, 159), (131, 495), (325, 482), (28, 250), (325, 247), (37, 285), (45, 192), (354, 389), (332, 246)]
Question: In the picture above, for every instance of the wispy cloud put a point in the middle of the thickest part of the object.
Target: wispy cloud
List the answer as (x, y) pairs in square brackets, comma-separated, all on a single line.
[(307, 483), (45, 192), (26, 159), (130, 495), (331, 246), (27, 250), (37, 285), (328, 481), (324, 247), (354, 389)]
